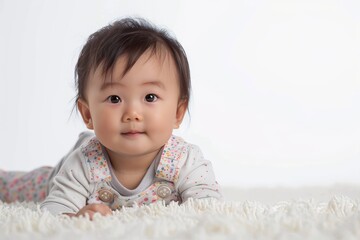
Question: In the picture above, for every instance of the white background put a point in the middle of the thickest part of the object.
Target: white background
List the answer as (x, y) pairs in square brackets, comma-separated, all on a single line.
[(276, 84)]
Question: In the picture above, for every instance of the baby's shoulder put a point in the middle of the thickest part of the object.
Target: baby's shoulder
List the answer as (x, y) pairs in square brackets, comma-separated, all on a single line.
[(95, 160), (183, 151), (88, 159), (86, 150)]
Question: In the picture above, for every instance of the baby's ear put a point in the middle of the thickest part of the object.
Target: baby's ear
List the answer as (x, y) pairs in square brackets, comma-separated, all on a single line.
[(180, 113), (85, 113)]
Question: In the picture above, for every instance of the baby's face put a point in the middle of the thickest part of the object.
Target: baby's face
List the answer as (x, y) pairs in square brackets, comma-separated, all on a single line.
[(135, 114)]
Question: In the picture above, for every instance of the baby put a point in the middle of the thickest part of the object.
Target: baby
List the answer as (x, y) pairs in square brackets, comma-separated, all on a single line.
[(133, 89)]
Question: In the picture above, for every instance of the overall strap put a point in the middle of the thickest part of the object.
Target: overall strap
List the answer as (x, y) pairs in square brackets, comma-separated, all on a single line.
[(168, 168), (96, 161)]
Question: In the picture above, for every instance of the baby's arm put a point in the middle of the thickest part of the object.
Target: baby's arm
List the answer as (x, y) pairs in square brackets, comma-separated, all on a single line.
[(70, 187), (196, 177)]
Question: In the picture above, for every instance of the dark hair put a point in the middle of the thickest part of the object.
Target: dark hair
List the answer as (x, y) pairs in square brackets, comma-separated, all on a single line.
[(130, 37)]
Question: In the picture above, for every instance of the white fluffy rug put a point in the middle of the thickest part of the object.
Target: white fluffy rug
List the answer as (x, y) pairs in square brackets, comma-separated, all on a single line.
[(338, 218)]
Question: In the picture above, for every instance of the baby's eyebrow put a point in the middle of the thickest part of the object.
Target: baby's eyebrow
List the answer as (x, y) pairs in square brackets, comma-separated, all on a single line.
[(107, 85), (155, 83)]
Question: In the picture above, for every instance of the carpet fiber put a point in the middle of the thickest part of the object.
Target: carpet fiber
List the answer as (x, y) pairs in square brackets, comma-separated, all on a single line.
[(338, 218)]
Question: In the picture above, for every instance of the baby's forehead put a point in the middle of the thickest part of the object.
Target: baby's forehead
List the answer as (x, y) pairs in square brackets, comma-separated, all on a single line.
[(125, 62)]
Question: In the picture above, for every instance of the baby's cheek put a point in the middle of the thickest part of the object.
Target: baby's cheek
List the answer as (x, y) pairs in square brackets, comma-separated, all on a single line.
[(106, 121)]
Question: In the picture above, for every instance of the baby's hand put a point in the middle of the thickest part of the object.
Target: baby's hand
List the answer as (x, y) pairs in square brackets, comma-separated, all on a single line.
[(91, 209)]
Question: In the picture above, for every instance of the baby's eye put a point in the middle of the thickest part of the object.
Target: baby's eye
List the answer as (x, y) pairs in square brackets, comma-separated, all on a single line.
[(114, 99), (151, 98)]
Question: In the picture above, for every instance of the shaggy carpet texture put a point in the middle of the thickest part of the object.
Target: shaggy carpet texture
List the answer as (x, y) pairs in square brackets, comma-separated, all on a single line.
[(338, 218)]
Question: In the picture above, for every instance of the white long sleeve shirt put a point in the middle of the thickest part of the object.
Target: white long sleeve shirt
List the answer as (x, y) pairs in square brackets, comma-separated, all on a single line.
[(85, 176)]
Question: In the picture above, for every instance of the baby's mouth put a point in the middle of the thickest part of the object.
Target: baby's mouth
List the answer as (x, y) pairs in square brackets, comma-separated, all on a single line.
[(132, 133)]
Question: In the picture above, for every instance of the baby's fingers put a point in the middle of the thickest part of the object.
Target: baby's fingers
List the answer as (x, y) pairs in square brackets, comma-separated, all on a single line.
[(91, 209), (100, 208)]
